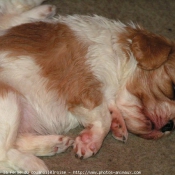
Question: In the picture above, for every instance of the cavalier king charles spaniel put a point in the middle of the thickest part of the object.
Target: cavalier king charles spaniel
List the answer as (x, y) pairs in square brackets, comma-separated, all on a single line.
[(56, 74)]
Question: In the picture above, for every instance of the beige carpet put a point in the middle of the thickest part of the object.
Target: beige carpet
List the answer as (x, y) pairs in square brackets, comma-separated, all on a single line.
[(147, 157)]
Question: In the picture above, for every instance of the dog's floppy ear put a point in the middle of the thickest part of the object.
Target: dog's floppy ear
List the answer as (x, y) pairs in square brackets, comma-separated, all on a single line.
[(150, 51)]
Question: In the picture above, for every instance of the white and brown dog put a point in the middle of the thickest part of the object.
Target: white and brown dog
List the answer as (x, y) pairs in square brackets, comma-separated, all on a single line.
[(57, 74)]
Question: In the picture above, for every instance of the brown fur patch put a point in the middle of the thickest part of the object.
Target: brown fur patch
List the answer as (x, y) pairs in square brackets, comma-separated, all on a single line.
[(61, 57), (147, 85), (153, 53), (170, 64), (150, 50)]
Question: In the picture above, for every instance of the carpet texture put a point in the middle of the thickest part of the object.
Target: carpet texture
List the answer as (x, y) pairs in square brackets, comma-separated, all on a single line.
[(137, 155)]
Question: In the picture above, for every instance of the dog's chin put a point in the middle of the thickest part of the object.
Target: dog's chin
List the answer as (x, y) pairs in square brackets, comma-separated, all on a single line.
[(156, 134), (160, 120)]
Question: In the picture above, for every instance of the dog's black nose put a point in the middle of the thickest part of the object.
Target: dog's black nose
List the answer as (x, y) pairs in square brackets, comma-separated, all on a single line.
[(168, 127)]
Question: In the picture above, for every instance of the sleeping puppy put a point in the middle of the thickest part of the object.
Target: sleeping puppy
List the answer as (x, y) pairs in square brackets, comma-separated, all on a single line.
[(75, 70)]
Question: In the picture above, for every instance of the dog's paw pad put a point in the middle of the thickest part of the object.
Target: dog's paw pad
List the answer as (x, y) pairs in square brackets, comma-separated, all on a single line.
[(86, 145)]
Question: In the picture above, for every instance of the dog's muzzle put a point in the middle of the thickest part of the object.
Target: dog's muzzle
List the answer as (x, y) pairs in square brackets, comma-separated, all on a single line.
[(168, 127)]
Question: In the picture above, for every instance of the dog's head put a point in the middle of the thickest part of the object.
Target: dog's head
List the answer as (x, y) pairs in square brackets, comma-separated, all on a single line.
[(152, 84)]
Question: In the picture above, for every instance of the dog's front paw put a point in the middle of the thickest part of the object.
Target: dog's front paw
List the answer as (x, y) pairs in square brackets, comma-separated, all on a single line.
[(86, 144), (119, 130), (118, 126)]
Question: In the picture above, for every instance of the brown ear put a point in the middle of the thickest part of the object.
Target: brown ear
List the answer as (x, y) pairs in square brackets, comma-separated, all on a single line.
[(150, 51)]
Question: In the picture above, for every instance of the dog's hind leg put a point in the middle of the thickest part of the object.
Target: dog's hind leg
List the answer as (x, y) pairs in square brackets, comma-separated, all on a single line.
[(40, 12), (24, 5), (10, 116), (43, 145), (9, 119)]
